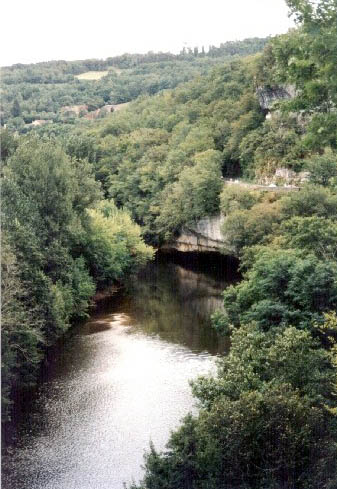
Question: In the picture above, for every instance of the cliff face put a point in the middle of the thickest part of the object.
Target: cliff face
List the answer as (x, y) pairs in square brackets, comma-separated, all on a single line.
[(269, 96), (204, 235)]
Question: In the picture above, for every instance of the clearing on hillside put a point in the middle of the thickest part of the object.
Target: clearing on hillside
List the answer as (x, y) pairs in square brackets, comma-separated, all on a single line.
[(92, 75)]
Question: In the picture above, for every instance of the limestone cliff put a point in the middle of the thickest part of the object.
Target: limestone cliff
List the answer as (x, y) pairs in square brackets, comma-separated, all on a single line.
[(203, 235)]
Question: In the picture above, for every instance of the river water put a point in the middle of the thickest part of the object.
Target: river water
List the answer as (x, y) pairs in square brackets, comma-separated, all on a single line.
[(120, 380)]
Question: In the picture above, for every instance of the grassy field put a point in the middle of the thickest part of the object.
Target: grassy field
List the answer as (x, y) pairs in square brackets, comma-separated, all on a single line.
[(92, 75)]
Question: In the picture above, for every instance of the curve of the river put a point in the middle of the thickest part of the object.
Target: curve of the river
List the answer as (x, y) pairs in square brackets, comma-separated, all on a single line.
[(120, 381)]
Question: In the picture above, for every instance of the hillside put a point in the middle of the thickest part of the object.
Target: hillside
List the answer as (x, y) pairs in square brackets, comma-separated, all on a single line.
[(164, 157), (40, 91)]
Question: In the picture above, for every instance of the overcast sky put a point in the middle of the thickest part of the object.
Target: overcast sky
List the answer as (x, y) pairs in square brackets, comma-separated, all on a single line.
[(42, 30)]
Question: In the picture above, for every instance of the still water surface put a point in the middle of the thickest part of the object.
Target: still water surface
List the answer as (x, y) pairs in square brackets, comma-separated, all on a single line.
[(119, 381)]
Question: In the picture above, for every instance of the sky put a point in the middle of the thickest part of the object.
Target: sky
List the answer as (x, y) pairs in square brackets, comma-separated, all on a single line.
[(42, 30)]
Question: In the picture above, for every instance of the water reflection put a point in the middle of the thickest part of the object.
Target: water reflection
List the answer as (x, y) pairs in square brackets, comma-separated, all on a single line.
[(119, 381), (176, 303)]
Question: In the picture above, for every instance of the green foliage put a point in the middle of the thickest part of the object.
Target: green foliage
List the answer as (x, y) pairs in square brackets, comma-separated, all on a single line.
[(142, 155), (248, 227), (82, 286), (160, 150), (195, 194), (322, 168), (8, 144), (256, 218), (310, 201), (287, 356), (16, 109), (20, 328), (322, 132), (112, 245), (235, 198), (306, 58), (322, 12), (283, 287), (316, 235), (268, 419), (220, 322)]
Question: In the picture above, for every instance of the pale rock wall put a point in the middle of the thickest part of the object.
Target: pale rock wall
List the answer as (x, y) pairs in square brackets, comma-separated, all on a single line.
[(204, 235), (286, 176)]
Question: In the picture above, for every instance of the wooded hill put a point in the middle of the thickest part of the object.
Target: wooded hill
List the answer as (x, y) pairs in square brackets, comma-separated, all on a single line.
[(163, 157), (47, 91)]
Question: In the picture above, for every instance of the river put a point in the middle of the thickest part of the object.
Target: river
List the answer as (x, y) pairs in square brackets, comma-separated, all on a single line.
[(120, 380)]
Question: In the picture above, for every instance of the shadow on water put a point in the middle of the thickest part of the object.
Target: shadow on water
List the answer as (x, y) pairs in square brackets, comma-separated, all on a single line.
[(175, 296), (124, 372)]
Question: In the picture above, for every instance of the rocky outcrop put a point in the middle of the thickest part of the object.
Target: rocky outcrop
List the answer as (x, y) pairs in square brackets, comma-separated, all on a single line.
[(268, 96), (204, 235), (290, 179)]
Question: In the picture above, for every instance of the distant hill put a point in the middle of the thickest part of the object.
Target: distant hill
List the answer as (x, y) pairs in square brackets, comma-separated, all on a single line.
[(39, 91)]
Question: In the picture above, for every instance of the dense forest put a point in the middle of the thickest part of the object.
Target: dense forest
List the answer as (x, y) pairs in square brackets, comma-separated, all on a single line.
[(80, 201)]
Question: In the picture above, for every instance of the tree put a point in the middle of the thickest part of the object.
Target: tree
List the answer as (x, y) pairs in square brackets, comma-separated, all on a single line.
[(112, 244), (322, 168), (195, 194), (8, 144), (43, 209), (286, 356), (234, 197), (21, 329), (283, 287), (310, 201), (311, 12), (313, 234), (57, 248), (248, 227), (16, 109)]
